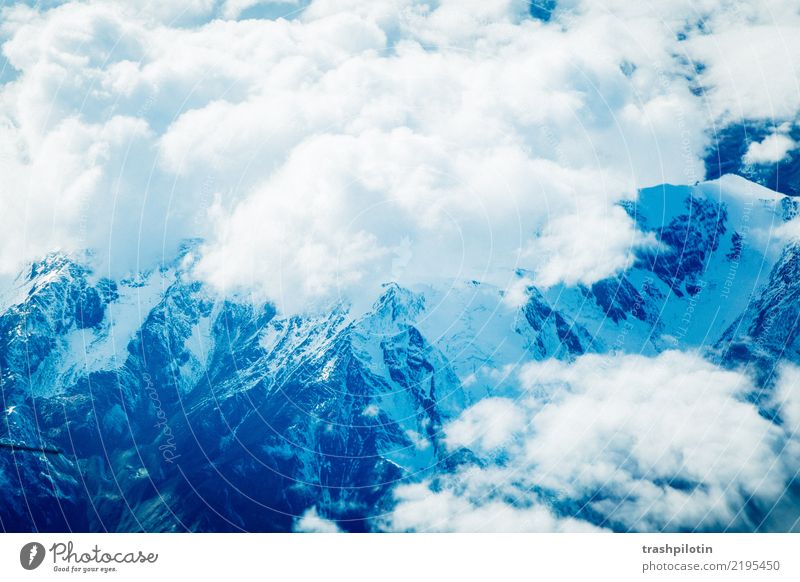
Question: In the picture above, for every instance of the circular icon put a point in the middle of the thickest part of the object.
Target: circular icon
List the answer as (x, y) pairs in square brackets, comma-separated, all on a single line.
[(31, 555)]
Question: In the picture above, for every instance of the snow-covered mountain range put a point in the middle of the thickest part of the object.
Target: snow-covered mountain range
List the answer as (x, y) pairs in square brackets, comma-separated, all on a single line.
[(175, 409)]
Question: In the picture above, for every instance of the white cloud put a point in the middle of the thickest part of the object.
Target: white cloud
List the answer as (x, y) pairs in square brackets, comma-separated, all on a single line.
[(787, 399), (420, 509), (771, 149), (486, 425), (643, 423), (751, 71), (664, 443), (305, 150), (788, 231), (566, 251), (371, 410), (747, 51), (311, 522)]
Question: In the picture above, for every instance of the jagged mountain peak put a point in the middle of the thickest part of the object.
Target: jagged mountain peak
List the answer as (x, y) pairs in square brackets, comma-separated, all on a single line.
[(398, 304)]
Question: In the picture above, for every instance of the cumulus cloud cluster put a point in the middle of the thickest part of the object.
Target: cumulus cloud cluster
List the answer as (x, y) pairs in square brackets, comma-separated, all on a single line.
[(306, 142), (644, 444)]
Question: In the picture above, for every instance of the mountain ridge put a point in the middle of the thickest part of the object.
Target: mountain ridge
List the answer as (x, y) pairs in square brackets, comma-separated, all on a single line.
[(179, 410)]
